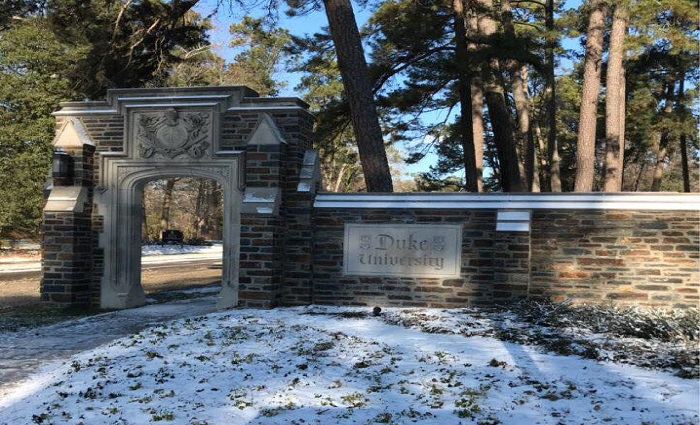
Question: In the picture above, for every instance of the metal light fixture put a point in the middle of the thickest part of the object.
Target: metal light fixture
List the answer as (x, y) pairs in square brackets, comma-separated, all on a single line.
[(61, 165)]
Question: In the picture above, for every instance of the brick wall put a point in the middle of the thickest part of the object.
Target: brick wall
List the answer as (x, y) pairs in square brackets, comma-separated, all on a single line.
[(296, 250), (481, 253), (260, 265), (627, 249), (646, 256)]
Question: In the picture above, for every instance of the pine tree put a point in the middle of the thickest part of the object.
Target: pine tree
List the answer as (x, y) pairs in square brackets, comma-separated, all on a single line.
[(615, 101), (264, 48), (592, 68), (33, 80), (359, 94)]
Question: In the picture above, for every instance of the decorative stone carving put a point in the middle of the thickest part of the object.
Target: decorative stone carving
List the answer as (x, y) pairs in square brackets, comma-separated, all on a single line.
[(126, 171), (171, 133)]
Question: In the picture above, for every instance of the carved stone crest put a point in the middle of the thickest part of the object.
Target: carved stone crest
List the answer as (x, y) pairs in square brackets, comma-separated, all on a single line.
[(172, 133)]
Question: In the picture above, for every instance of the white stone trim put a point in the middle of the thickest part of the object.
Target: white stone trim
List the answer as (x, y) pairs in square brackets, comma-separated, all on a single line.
[(78, 112), (265, 132), (72, 135), (310, 173), (261, 201), (155, 97), (513, 221), (67, 199), (161, 105), (118, 198), (266, 108), (512, 201)]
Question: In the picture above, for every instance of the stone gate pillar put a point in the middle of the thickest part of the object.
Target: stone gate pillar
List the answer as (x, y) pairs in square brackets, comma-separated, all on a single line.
[(67, 231)]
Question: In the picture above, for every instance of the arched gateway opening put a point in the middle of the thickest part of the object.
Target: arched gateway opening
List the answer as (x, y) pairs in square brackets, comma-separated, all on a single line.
[(258, 150), (181, 238), (121, 281)]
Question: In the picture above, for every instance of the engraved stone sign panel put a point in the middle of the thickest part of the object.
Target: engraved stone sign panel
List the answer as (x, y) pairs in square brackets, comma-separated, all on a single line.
[(410, 250)]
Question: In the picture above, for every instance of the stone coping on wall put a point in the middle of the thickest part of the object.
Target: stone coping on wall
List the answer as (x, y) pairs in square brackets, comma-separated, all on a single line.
[(509, 201), (230, 98)]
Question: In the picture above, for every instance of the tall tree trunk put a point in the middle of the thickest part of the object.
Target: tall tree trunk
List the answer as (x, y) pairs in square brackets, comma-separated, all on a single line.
[(661, 154), (502, 128), (471, 179), (662, 150), (615, 101), (477, 98), (167, 202), (201, 209), (358, 90), (640, 174), (522, 108), (217, 221), (339, 178), (585, 150), (501, 123), (680, 105), (540, 160), (477, 91), (684, 163), (554, 180), (520, 97), (144, 218)]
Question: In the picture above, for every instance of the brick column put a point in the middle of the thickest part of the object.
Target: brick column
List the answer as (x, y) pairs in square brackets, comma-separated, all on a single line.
[(66, 264), (260, 267), (67, 235), (259, 272), (511, 256)]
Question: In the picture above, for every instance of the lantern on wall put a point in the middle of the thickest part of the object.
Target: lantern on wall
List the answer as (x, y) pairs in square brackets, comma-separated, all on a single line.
[(61, 165)]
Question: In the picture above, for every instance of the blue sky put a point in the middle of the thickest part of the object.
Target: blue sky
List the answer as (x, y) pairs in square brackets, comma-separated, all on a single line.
[(300, 26)]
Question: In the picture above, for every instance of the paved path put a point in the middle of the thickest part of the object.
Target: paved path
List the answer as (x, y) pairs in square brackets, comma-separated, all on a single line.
[(22, 352)]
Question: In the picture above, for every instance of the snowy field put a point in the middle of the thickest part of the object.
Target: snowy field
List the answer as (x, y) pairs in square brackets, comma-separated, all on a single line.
[(323, 365), (157, 249)]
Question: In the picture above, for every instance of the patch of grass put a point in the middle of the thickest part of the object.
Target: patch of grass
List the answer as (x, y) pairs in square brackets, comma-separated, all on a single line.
[(355, 400), (162, 416), (182, 293), (31, 316), (324, 346)]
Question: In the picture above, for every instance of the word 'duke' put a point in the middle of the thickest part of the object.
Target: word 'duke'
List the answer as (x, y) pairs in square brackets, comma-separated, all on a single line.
[(411, 250)]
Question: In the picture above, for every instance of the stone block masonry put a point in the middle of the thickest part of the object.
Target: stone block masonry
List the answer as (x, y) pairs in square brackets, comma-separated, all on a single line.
[(643, 258), (622, 249), (285, 243), (473, 286), (254, 147), (68, 246)]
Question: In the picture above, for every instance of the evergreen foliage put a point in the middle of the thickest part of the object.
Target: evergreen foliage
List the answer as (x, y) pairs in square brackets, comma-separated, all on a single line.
[(69, 49), (64, 50), (32, 82)]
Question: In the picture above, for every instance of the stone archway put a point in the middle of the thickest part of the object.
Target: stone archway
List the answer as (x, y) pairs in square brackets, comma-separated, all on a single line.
[(257, 149), (121, 202)]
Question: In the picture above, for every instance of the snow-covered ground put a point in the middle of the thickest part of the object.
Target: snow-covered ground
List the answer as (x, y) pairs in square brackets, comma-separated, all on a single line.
[(150, 254), (329, 365), (156, 249)]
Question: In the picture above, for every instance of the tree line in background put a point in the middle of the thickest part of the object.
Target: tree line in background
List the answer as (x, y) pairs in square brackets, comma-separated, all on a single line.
[(192, 205), (509, 95)]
